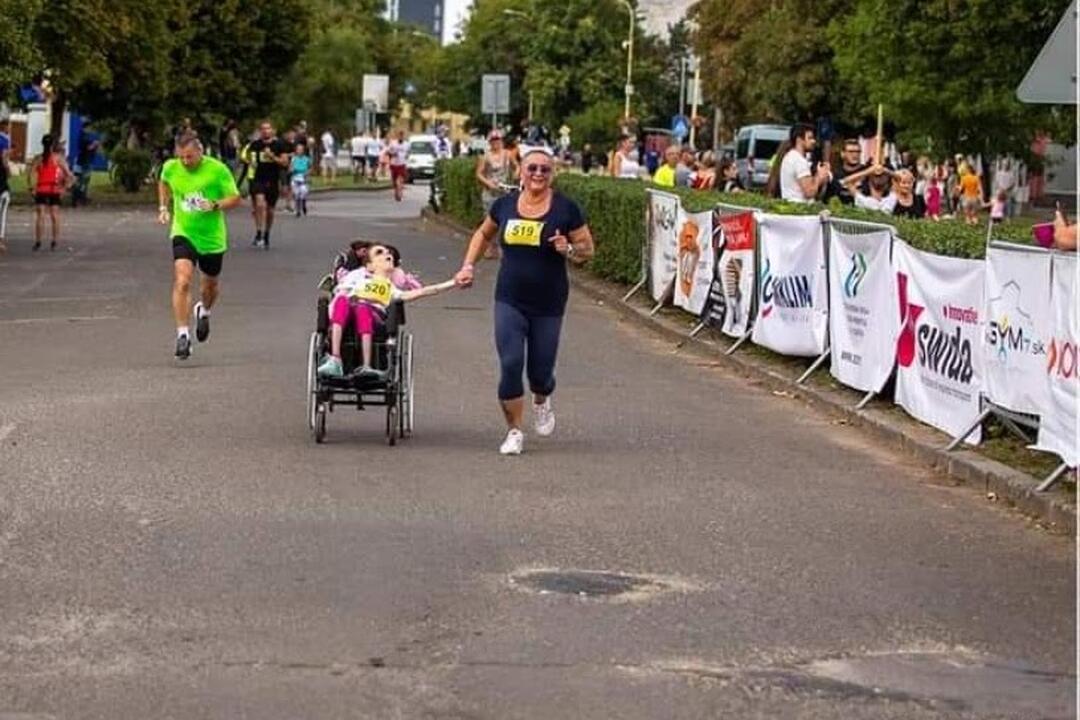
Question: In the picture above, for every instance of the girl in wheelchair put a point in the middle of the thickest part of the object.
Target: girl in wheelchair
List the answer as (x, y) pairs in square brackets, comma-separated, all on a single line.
[(366, 294)]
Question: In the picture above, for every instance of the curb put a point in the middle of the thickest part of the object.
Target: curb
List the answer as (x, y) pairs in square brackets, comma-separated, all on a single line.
[(996, 480), (121, 202)]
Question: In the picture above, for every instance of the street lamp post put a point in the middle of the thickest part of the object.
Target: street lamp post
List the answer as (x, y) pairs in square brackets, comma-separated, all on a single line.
[(629, 59), (510, 12)]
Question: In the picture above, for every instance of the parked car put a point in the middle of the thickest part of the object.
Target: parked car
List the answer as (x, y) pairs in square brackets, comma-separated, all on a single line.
[(421, 162), (754, 146)]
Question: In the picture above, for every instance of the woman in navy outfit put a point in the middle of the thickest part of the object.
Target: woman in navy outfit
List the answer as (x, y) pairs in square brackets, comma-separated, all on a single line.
[(538, 229)]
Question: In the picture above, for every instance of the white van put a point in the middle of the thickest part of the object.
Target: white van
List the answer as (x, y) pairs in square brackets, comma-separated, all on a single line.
[(754, 146), (421, 161)]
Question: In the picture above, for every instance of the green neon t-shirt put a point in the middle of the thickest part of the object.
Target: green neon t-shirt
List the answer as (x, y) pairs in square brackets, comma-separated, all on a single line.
[(211, 180)]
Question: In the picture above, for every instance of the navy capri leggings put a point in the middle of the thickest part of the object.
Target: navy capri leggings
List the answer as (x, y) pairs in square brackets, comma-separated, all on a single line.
[(525, 342)]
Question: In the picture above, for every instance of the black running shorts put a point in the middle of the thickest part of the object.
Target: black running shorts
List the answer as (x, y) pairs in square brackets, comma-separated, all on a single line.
[(209, 265), (269, 188)]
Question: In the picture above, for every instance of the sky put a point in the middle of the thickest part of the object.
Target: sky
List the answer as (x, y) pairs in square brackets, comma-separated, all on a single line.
[(658, 14)]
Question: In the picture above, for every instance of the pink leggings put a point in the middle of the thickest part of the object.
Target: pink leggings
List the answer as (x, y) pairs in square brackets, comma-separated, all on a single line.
[(364, 315)]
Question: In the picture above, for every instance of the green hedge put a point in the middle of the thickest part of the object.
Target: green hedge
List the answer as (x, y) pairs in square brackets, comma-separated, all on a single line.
[(616, 213)]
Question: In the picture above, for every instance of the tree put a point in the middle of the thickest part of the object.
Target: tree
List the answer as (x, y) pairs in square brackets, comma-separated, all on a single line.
[(947, 71), (771, 63), (21, 58)]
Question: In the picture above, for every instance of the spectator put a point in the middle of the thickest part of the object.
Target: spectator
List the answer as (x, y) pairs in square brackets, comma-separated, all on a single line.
[(997, 207), (971, 192), (880, 198), (951, 189), (358, 152), (909, 203), (665, 174), (933, 199), (729, 177), (587, 160), (849, 174), (704, 178), (1064, 233), (652, 158), (5, 173), (772, 184), (798, 182), (1005, 181), (229, 144), (89, 144), (623, 164), (328, 162), (685, 168)]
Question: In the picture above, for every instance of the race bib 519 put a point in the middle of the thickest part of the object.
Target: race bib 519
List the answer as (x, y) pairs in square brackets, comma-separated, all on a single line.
[(523, 232), (375, 290)]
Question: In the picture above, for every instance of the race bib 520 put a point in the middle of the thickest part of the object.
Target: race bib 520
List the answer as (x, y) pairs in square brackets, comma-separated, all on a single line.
[(375, 290), (523, 232)]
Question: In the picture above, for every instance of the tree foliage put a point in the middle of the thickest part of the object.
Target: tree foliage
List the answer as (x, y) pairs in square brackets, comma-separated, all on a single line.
[(19, 53), (946, 71)]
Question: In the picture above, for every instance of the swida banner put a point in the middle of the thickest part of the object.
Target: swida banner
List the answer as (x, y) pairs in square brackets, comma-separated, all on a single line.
[(863, 324), (695, 262), (1017, 327), (663, 248), (1058, 424), (793, 310), (939, 362)]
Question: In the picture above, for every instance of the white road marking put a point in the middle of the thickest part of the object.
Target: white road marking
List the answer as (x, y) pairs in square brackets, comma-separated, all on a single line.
[(85, 318)]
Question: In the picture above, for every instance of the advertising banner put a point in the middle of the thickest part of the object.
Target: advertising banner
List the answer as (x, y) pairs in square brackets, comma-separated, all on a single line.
[(793, 310), (663, 246), (696, 261), (939, 363), (863, 323), (1017, 328), (733, 280), (1058, 423)]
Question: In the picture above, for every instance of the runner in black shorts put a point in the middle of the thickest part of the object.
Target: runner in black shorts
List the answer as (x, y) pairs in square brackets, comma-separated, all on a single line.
[(198, 190), (271, 156)]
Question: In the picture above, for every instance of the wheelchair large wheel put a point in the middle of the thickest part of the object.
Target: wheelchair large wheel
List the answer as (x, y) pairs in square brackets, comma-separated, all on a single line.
[(314, 346), (407, 387), (319, 424)]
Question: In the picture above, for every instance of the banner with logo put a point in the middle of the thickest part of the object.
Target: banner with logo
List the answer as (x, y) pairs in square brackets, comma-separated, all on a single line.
[(793, 311), (939, 362), (663, 246), (1017, 327), (863, 323), (1061, 376), (694, 270), (733, 279)]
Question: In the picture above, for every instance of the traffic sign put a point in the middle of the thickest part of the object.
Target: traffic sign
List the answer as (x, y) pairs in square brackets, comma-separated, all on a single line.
[(680, 126), (495, 94), (377, 90)]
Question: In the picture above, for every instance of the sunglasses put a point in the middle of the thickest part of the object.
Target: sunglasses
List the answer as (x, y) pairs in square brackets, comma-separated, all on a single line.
[(538, 169)]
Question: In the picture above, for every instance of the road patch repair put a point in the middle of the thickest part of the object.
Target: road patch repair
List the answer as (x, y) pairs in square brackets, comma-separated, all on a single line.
[(956, 680), (596, 584)]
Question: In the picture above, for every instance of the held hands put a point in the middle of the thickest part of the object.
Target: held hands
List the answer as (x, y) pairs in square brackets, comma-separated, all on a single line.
[(163, 216), (464, 277)]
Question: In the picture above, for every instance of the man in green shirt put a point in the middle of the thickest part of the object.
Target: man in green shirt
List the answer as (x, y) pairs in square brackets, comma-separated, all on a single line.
[(198, 190), (665, 174)]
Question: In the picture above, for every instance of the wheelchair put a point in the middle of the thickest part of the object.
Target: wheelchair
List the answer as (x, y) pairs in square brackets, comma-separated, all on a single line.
[(392, 354)]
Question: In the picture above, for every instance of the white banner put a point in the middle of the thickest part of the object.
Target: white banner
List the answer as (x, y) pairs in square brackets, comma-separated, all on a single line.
[(939, 363), (1058, 424), (1017, 327), (663, 220), (793, 311), (696, 261), (863, 322)]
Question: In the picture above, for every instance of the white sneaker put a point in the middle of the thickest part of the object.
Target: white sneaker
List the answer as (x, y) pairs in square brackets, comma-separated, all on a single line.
[(544, 418), (513, 444)]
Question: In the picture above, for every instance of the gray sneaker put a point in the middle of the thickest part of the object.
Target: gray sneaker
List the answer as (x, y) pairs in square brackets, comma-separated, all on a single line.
[(331, 368)]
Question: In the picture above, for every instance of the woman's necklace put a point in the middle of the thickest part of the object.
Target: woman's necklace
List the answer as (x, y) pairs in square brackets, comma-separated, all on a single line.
[(533, 205)]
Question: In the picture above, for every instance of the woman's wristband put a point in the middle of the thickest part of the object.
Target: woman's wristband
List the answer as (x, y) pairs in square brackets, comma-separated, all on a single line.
[(468, 266)]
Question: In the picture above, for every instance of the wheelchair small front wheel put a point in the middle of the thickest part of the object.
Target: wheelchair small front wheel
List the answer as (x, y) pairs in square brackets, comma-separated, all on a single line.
[(320, 423)]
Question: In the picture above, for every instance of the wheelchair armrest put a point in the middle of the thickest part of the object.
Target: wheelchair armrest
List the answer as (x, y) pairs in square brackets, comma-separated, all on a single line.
[(326, 285)]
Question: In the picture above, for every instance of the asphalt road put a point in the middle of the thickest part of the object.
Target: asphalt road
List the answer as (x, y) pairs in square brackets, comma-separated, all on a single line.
[(174, 545)]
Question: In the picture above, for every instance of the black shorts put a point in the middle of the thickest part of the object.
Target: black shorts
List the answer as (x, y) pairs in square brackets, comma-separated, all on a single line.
[(46, 199), (209, 265), (268, 188)]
